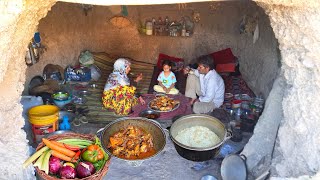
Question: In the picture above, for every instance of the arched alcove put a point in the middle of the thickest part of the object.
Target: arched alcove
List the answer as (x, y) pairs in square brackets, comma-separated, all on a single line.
[(291, 104)]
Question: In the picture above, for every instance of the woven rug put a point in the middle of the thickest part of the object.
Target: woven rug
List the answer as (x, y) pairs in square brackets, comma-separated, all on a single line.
[(236, 85)]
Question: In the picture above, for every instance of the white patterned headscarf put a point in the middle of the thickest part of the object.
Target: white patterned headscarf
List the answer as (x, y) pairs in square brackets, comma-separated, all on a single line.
[(118, 77)]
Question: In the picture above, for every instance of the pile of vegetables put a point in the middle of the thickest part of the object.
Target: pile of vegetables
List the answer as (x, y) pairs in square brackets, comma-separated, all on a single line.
[(69, 158)]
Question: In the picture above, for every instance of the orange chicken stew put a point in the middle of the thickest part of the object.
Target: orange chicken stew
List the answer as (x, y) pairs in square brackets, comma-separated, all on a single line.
[(131, 143)]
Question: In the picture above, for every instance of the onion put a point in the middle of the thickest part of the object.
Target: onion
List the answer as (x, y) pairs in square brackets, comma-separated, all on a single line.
[(85, 169), (54, 165), (67, 172)]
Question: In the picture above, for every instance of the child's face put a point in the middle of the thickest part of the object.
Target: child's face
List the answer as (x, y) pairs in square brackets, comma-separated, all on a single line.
[(166, 68)]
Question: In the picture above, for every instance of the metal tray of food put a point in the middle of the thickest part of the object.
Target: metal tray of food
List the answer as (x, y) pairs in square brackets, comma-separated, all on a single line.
[(158, 109)]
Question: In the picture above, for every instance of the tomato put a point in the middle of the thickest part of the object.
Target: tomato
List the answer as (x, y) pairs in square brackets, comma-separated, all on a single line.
[(93, 154)]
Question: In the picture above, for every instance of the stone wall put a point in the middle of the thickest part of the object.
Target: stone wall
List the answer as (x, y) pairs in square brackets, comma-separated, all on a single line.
[(298, 137), (66, 31), (294, 101), (18, 23)]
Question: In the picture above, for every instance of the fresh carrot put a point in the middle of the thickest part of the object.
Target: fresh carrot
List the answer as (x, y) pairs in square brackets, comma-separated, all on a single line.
[(61, 156), (57, 143), (70, 147), (62, 150)]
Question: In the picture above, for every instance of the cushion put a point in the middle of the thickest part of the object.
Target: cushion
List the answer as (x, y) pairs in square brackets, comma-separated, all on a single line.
[(177, 63), (223, 57), (228, 67)]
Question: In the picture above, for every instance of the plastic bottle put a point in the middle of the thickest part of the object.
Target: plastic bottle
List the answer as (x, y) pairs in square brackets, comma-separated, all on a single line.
[(167, 23), (149, 28), (65, 125), (183, 31), (237, 114)]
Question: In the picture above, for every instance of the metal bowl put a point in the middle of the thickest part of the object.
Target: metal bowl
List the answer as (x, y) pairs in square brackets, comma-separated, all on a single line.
[(59, 132), (84, 93), (150, 114), (208, 177), (62, 103), (174, 108), (160, 94), (149, 126), (60, 96)]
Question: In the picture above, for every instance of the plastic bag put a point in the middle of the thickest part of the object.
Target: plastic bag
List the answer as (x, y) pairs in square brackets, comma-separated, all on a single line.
[(86, 58)]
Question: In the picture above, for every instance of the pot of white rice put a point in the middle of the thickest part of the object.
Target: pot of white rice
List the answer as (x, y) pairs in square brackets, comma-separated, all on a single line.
[(198, 137)]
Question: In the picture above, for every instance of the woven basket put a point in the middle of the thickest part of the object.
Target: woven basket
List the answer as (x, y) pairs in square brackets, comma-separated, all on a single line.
[(96, 176)]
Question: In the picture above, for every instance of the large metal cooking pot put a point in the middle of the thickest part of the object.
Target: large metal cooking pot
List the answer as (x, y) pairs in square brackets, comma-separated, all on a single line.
[(195, 153), (150, 126)]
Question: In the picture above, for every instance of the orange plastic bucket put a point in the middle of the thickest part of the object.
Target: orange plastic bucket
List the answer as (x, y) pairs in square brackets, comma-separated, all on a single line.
[(44, 120)]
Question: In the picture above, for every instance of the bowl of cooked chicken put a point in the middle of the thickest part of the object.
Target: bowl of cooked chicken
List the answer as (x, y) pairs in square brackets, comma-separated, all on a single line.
[(163, 104), (133, 138), (150, 114)]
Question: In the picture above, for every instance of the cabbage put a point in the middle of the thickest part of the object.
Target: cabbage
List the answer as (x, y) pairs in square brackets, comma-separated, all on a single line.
[(85, 169), (54, 165), (67, 172)]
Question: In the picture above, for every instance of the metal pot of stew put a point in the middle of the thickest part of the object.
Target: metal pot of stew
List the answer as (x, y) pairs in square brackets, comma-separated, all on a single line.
[(198, 120), (123, 127)]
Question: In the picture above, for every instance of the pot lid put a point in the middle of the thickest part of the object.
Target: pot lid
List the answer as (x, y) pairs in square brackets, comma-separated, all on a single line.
[(233, 167)]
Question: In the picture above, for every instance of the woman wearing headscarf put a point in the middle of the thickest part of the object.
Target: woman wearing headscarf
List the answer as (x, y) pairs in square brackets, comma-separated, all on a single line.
[(118, 94)]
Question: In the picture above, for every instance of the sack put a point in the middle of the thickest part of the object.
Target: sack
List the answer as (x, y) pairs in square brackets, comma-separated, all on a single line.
[(86, 58)]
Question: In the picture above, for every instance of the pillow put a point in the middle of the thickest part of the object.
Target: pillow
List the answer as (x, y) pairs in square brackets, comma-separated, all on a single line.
[(228, 67), (177, 66), (177, 63), (223, 57)]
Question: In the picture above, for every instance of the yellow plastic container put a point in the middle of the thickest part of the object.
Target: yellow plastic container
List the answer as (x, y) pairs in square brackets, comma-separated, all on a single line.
[(44, 120), (43, 111)]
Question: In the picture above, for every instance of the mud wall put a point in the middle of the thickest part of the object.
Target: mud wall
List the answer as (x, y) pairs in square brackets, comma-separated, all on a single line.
[(67, 30)]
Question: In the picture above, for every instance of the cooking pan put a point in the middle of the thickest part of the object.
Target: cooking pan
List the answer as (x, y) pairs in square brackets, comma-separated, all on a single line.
[(234, 167), (149, 126), (196, 153)]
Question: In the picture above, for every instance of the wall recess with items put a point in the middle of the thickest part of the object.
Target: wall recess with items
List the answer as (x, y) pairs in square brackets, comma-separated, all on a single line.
[(166, 27)]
